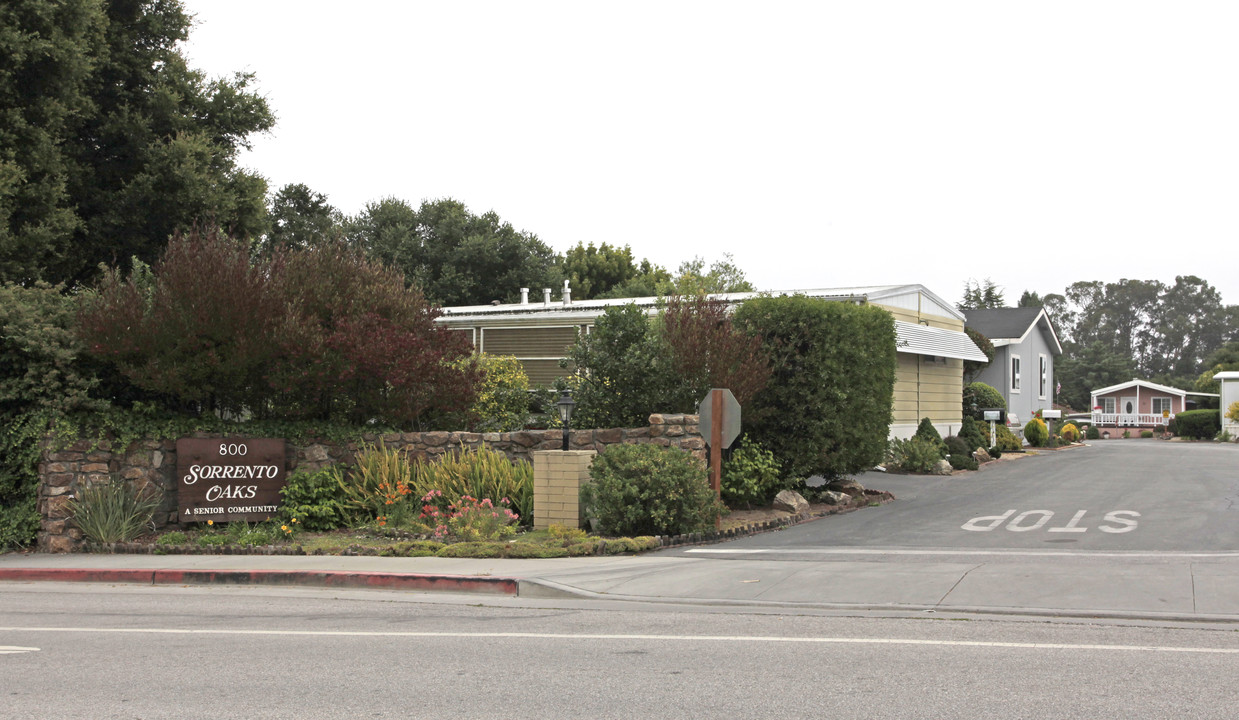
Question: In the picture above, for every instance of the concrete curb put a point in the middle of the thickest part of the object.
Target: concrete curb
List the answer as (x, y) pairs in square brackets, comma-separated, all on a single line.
[(315, 578)]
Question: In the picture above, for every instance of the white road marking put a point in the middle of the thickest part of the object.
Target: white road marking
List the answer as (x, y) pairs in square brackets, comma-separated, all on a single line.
[(13, 649), (1072, 526), (668, 638), (998, 553)]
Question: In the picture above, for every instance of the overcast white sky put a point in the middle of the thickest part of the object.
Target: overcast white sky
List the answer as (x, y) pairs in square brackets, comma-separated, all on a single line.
[(822, 144)]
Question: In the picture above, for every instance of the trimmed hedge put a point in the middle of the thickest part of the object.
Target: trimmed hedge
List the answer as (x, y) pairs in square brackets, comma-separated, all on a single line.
[(827, 408), (1200, 424)]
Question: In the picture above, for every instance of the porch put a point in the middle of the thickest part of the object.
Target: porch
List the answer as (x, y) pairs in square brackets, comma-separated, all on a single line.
[(1133, 420)]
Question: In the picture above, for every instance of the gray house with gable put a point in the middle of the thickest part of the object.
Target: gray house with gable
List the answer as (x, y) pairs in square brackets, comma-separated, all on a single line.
[(1025, 346)]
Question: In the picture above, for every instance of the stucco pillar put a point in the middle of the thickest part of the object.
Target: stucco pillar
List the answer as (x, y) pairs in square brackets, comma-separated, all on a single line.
[(557, 479)]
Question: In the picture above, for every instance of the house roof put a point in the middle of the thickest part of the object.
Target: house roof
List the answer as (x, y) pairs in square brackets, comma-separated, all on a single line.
[(910, 337), (1150, 386), (1007, 326), (925, 340), (585, 309)]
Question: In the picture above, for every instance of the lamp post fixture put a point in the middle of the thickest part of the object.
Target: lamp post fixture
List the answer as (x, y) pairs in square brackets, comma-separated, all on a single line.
[(565, 405)]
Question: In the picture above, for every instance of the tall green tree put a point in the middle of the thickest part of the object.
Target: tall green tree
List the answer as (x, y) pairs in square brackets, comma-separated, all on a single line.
[(984, 295), (595, 270), (1087, 368), (131, 143), (650, 280), (48, 52), (1187, 327), (456, 257), (301, 218), (724, 276)]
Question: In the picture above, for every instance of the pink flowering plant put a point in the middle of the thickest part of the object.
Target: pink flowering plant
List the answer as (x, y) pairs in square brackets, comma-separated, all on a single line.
[(468, 519)]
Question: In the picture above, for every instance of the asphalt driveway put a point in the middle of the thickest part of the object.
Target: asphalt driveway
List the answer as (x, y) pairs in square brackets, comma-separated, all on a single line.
[(1121, 496)]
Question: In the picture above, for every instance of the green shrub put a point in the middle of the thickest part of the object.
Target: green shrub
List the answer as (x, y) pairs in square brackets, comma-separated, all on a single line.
[(1036, 432), (649, 490), (314, 499), (751, 476), (176, 537), (926, 431), (1200, 424), (826, 408), (1092, 433), (502, 403), (978, 396), (1146, 434), (42, 376), (566, 535), (113, 512), (916, 454), (622, 370), (975, 434), (994, 452), (963, 462), (955, 445), (1007, 441)]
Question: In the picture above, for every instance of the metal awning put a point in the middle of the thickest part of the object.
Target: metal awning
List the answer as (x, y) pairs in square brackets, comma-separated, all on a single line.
[(938, 342)]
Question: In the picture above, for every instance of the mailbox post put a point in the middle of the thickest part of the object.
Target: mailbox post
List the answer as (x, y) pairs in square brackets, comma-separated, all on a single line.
[(993, 415)]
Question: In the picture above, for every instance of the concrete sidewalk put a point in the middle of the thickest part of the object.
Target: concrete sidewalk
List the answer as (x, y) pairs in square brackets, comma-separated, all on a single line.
[(1158, 586)]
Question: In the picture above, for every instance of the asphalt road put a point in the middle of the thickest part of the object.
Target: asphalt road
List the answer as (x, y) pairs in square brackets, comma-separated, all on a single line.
[(1112, 496), (96, 651)]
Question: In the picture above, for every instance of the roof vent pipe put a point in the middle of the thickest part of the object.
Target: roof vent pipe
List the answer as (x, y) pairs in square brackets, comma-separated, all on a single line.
[(567, 294), (546, 296), (524, 296)]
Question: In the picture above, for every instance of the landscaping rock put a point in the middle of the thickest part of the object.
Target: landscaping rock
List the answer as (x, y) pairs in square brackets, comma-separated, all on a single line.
[(981, 456), (791, 501), (942, 468), (847, 486), (830, 497)]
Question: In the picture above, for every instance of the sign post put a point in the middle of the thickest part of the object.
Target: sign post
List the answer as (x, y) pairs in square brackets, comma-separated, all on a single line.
[(719, 419)]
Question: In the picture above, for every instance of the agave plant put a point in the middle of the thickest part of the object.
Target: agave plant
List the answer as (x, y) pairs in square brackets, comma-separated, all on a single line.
[(113, 512)]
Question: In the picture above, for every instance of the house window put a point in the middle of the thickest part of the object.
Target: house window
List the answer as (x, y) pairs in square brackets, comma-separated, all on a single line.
[(1015, 373), (1045, 375), (1107, 405), (1161, 405)]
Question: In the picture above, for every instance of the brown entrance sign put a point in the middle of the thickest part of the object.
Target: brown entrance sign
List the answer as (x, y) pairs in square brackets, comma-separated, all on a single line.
[(229, 479)]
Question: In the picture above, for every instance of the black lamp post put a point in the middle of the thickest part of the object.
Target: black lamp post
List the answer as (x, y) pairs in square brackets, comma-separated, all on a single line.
[(565, 405)]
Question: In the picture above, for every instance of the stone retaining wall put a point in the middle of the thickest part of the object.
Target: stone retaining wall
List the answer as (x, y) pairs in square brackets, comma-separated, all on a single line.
[(152, 463)]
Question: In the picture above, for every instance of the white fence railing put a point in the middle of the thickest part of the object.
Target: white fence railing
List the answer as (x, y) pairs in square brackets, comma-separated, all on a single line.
[(1129, 419)]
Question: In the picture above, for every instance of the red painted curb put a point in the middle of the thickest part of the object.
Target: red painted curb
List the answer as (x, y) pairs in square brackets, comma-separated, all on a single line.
[(313, 578)]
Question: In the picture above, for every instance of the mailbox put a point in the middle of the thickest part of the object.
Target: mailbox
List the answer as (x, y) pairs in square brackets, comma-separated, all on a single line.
[(993, 415), (1051, 414)]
